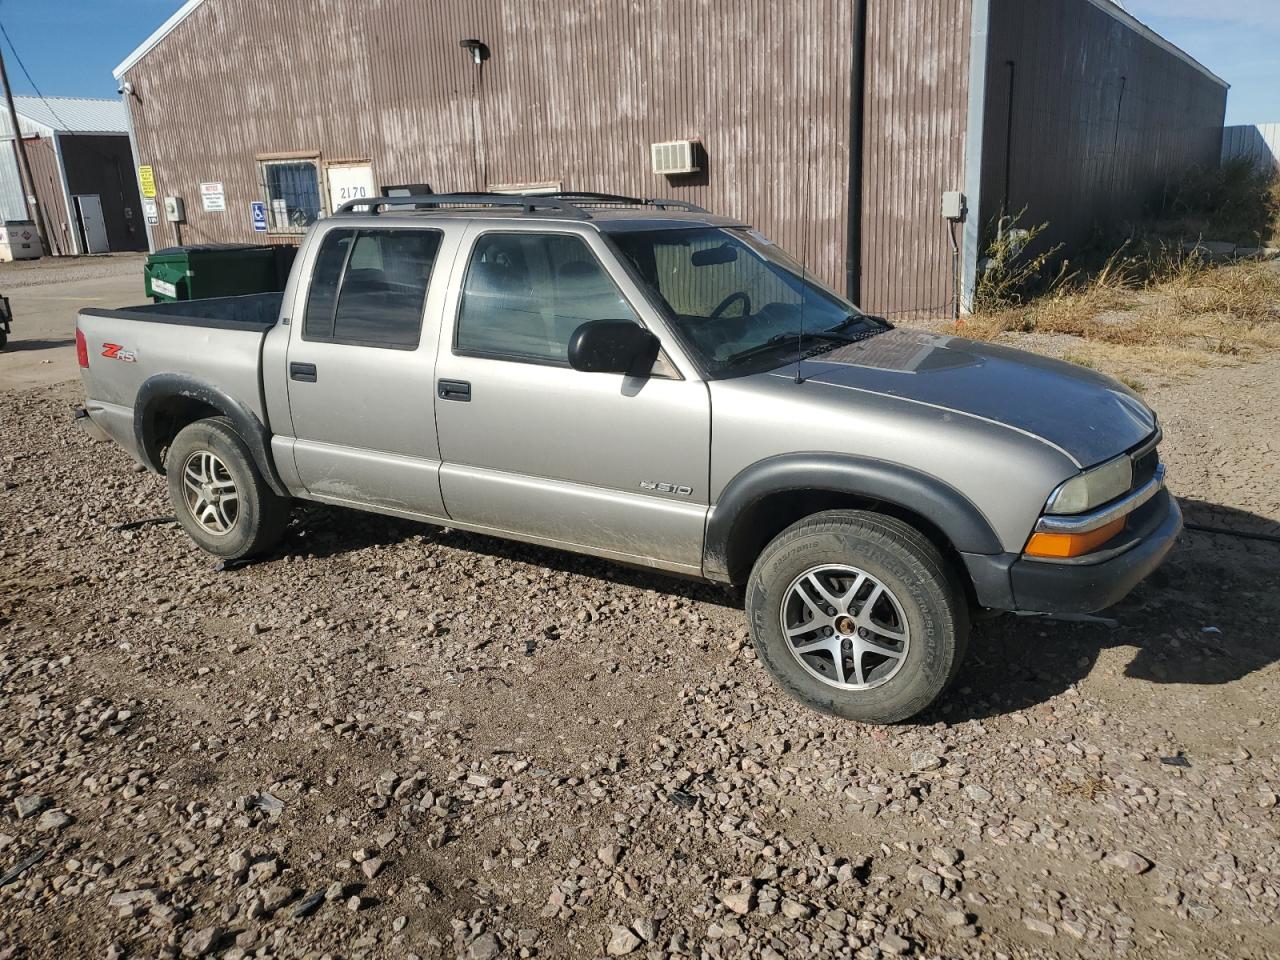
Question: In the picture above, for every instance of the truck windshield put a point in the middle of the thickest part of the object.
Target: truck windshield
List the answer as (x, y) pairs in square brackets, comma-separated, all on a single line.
[(738, 300)]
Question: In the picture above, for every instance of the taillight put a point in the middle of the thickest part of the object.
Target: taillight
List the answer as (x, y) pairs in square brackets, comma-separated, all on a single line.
[(82, 350)]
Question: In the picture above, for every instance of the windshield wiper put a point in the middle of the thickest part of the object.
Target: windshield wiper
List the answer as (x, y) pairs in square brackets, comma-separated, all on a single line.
[(835, 336), (876, 323), (831, 337)]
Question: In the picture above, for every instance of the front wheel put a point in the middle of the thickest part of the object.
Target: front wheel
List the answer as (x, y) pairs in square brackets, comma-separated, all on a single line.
[(858, 615), (219, 496)]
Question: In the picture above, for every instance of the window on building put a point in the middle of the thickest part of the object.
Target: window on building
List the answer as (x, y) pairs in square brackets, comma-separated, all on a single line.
[(292, 191), (368, 287), (526, 293)]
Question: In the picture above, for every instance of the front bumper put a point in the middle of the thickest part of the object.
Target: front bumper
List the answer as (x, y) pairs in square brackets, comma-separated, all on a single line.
[(1085, 584), (1098, 581)]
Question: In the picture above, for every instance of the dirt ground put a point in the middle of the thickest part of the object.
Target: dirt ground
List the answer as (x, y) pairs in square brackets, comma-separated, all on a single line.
[(44, 296), (395, 741)]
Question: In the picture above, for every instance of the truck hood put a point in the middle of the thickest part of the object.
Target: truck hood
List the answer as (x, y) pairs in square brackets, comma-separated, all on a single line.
[(1089, 417)]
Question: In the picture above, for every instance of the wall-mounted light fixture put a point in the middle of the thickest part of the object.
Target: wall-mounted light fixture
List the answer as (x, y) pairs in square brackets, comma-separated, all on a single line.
[(478, 49)]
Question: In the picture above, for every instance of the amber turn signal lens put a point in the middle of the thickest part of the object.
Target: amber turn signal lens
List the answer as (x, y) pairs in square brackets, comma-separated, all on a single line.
[(1063, 546)]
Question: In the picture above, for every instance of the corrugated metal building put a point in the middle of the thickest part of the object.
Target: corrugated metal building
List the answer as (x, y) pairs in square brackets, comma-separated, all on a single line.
[(835, 126), (83, 170), (1258, 143)]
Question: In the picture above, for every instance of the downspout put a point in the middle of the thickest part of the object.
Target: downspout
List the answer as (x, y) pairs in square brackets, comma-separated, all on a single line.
[(979, 41), (1005, 201), (73, 235), (857, 95), (126, 91)]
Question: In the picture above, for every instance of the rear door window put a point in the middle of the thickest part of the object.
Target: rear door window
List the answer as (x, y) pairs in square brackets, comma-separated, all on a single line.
[(368, 287), (326, 274)]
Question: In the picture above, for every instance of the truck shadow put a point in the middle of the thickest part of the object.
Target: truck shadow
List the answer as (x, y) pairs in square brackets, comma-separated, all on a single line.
[(324, 531), (1207, 617), (18, 346)]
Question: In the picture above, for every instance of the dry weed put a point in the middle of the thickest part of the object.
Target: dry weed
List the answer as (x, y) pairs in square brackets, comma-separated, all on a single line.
[(1230, 310)]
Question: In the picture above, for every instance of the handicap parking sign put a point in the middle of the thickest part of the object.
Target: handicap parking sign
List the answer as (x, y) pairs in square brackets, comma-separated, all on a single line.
[(259, 216)]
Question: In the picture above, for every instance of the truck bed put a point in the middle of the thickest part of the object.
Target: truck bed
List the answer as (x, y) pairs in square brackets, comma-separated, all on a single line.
[(198, 345), (256, 310)]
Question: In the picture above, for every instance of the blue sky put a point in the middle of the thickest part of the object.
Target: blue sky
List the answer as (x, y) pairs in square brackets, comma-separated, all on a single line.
[(71, 46), (1239, 40)]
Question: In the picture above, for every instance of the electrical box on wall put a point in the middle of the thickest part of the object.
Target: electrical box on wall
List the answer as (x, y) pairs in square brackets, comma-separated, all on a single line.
[(953, 205), (175, 211), (675, 157)]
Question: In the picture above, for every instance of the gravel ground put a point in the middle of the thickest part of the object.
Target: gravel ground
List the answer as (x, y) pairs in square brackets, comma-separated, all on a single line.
[(397, 741), (46, 270)]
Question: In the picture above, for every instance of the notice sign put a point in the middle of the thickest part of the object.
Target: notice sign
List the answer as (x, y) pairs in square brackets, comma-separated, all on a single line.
[(258, 210), (150, 210), (212, 196), (147, 180)]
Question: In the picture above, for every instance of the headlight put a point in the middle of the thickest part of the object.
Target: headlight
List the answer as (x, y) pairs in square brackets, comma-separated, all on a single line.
[(1093, 488)]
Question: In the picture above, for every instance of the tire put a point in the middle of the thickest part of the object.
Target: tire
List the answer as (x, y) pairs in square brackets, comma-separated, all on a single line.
[(918, 618), (4, 338), (252, 521)]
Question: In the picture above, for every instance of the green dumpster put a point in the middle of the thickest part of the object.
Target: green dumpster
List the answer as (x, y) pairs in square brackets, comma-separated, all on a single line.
[(216, 270)]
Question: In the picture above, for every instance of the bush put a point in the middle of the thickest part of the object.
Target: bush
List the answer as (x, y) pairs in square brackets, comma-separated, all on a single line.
[(1236, 202), (1011, 272)]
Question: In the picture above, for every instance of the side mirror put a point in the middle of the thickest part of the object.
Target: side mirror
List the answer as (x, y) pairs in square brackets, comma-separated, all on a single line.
[(613, 346)]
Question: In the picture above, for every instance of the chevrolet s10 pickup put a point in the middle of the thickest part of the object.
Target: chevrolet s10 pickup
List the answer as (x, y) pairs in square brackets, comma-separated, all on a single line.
[(643, 381)]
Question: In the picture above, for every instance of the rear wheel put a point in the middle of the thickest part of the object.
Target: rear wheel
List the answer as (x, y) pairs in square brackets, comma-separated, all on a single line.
[(219, 496), (858, 615)]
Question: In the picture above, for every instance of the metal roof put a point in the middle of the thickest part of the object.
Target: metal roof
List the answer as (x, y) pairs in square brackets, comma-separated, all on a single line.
[(49, 115)]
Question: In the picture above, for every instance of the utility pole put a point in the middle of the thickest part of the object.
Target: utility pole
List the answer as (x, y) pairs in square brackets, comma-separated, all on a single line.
[(34, 213)]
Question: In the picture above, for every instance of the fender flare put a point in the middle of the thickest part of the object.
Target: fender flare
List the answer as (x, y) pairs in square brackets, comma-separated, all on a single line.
[(162, 387), (945, 507)]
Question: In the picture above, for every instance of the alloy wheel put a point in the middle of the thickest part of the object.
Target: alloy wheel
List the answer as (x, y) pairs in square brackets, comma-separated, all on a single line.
[(211, 493), (845, 627)]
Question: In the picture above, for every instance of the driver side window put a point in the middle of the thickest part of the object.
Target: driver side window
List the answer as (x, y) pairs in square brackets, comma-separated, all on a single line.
[(526, 293)]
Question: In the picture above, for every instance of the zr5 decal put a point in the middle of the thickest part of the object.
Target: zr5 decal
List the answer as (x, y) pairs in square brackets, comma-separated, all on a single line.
[(114, 351)]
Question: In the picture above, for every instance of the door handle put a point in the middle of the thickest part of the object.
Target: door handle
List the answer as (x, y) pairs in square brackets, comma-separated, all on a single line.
[(454, 390), (306, 372)]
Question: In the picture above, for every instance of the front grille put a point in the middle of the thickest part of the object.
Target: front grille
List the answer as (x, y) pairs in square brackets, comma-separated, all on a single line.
[(1144, 467)]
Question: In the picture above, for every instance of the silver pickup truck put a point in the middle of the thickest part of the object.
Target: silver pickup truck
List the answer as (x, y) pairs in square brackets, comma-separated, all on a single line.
[(643, 381)]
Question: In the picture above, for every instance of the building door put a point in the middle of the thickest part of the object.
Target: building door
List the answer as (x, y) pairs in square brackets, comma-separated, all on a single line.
[(93, 228)]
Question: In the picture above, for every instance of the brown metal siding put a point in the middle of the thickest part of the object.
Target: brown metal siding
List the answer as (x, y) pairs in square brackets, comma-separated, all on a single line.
[(48, 184), (915, 103), (103, 165), (1103, 118), (575, 92)]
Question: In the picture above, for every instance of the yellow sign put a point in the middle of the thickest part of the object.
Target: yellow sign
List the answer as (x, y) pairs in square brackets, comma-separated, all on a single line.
[(147, 177)]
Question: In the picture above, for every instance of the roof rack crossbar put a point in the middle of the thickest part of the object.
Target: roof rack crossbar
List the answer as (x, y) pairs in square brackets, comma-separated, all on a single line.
[(527, 203), (661, 203)]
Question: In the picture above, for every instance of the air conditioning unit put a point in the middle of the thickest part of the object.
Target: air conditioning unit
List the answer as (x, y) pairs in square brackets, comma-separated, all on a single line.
[(675, 157)]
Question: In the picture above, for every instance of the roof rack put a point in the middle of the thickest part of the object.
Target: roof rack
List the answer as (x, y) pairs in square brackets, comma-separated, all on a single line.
[(568, 204), (528, 204), (587, 198)]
